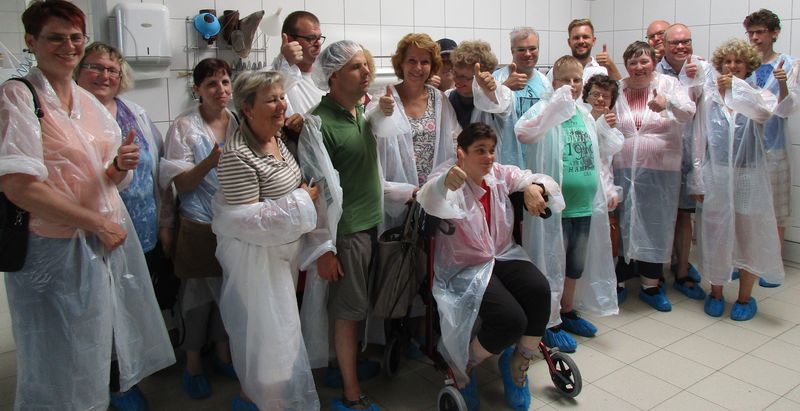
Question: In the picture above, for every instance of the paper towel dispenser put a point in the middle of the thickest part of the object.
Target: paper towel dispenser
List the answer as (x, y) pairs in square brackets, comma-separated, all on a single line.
[(141, 33)]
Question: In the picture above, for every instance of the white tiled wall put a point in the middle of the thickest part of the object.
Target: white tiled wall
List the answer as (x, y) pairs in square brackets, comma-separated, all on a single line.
[(379, 24)]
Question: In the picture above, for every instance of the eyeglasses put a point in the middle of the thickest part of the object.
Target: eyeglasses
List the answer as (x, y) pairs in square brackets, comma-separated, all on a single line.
[(656, 34), (463, 79), (751, 33), (596, 95), (311, 39), (676, 43), (77, 39), (522, 50), (98, 69)]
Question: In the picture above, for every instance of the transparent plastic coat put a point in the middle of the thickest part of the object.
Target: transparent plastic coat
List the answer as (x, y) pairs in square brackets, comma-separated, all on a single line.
[(737, 225), (494, 113), (591, 69), (396, 151), (648, 170), (188, 142), (509, 150), (464, 261), (164, 198), (539, 129), (74, 299), (315, 163), (257, 247), (301, 92)]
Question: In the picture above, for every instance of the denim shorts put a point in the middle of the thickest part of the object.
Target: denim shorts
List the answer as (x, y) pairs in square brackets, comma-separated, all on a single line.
[(576, 238)]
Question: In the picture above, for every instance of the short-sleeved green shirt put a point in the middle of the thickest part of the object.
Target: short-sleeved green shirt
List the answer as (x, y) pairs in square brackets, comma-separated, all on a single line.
[(579, 179), (353, 152)]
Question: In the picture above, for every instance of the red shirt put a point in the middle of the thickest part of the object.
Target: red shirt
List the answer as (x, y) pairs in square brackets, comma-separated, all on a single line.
[(486, 202)]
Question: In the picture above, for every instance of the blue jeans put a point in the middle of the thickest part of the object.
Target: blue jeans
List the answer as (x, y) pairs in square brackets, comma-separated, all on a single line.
[(575, 231)]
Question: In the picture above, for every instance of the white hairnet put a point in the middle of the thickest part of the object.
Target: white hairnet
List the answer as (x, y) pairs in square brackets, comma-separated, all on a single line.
[(331, 59)]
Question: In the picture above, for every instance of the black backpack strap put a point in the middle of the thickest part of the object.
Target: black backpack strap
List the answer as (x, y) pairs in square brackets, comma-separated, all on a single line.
[(37, 108)]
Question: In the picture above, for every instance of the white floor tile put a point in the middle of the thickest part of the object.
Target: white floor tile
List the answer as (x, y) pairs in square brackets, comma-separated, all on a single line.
[(764, 324), (784, 404), (779, 309), (789, 295), (594, 399), (7, 340), (733, 336), (763, 374), (652, 331), (794, 394), (685, 317), (637, 387), (731, 393), (593, 364), (8, 364), (674, 368), (686, 401), (781, 353), (705, 351), (621, 346)]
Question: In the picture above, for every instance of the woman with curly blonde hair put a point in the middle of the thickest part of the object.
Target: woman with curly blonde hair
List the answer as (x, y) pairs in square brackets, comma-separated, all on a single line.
[(737, 223)]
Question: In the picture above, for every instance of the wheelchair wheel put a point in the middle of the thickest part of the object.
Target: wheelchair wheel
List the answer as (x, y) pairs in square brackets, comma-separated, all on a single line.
[(566, 376), (391, 357), (451, 400)]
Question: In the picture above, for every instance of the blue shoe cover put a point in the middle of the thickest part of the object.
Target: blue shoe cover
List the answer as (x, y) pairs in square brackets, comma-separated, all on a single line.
[(694, 292), (735, 275), (622, 294), (131, 400), (658, 301), (338, 405), (239, 404), (365, 369), (225, 369), (518, 398), (694, 275), (197, 386), (578, 326), (767, 284), (714, 307), (744, 312), (560, 339), (470, 393)]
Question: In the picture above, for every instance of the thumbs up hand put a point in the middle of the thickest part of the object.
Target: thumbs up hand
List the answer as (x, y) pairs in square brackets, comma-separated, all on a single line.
[(691, 68), (485, 79), (516, 81), (456, 176), (292, 51), (435, 81), (780, 73), (386, 102), (603, 58), (128, 153), (658, 103)]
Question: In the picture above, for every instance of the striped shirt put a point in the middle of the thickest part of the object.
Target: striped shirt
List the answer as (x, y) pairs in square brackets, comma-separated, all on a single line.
[(247, 175)]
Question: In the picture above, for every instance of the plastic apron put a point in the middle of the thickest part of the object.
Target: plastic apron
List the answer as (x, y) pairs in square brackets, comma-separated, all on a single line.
[(648, 170), (188, 142), (301, 93), (74, 299), (257, 248), (591, 69), (737, 220), (396, 151), (540, 129), (464, 261), (509, 150)]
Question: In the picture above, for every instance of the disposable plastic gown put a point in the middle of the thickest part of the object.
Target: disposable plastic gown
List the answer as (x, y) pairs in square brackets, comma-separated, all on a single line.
[(494, 113), (648, 170), (396, 151), (540, 130), (301, 92), (509, 150), (464, 261), (737, 220), (74, 298), (257, 247)]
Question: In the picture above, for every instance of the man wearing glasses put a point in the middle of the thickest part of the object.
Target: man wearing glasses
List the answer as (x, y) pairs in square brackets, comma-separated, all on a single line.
[(655, 36), (762, 28), (679, 63), (300, 45)]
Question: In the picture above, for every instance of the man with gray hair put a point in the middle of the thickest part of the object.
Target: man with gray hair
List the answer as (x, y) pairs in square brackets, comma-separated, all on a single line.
[(655, 36), (678, 62), (338, 150), (528, 85)]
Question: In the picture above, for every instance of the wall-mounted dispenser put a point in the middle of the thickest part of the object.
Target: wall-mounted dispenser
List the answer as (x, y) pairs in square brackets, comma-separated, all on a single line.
[(141, 33)]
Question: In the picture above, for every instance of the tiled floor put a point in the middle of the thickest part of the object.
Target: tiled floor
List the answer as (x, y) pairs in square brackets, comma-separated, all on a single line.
[(641, 359)]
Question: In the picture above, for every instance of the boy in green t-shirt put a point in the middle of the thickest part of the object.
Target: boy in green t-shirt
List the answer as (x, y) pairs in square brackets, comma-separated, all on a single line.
[(566, 142)]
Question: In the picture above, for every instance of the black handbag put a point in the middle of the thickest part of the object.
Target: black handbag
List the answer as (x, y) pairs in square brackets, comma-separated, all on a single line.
[(14, 220)]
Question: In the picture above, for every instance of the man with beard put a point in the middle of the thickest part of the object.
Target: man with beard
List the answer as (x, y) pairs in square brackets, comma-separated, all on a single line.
[(581, 41)]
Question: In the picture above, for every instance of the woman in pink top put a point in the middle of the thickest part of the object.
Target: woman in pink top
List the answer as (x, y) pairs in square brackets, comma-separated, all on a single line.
[(650, 113), (84, 294)]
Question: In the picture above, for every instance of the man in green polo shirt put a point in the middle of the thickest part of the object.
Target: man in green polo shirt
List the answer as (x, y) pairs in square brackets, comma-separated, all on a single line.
[(348, 147)]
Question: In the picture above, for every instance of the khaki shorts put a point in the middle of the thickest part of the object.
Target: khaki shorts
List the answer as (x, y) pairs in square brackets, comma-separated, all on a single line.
[(348, 298)]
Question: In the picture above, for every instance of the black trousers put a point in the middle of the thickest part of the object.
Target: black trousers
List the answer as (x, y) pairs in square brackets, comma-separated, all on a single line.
[(636, 268), (516, 303)]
